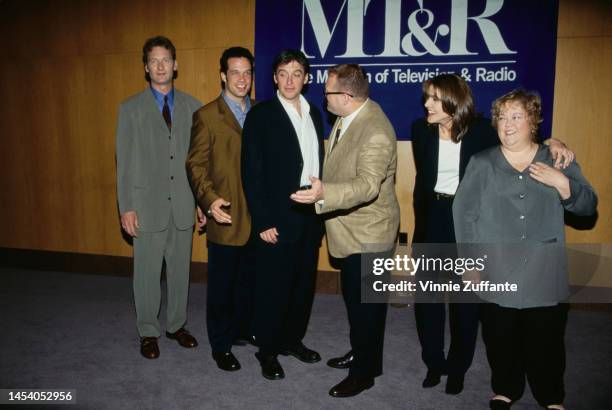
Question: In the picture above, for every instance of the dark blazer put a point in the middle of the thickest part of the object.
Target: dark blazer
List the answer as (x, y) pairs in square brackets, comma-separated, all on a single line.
[(425, 147), (271, 169)]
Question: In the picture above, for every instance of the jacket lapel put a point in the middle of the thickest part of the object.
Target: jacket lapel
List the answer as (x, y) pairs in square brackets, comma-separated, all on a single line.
[(288, 125), (228, 116), (432, 146), (352, 130), (152, 110)]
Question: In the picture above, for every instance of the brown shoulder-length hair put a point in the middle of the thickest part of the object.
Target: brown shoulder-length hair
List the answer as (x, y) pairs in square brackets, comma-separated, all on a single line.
[(529, 100), (457, 101)]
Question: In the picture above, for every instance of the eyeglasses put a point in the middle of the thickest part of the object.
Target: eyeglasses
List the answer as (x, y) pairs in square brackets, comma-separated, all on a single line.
[(338, 93)]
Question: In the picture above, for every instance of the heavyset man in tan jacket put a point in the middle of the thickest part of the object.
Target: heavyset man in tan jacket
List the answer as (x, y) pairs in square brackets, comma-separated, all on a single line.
[(213, 167), (357, 195)]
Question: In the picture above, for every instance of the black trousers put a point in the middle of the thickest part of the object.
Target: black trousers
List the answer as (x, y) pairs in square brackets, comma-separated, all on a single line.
[(431, 317), (230, 294), (463, 321), (366, 320), (285, 284), (526, 342)]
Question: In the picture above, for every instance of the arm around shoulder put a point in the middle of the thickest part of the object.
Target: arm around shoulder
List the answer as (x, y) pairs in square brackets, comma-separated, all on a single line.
[(583, 199)]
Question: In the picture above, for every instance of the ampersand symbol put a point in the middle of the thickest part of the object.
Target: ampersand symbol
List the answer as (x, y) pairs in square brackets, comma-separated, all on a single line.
[(417, 32)]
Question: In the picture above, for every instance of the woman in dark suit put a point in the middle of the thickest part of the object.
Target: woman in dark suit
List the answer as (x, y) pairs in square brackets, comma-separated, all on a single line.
[(442, 144)]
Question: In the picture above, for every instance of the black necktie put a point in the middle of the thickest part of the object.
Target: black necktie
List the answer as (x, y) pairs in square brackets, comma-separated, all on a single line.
[(166, 113)]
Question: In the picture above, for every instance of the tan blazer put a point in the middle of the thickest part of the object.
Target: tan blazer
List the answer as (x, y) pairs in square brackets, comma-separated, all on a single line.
[(213, 167), (358, 178)]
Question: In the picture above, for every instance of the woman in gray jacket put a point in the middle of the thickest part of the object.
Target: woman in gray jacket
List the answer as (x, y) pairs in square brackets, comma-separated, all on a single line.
[(511, 202)]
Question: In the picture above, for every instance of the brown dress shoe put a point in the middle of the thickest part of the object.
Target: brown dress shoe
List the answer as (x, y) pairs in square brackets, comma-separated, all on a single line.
[(149, 348), (183, 338)]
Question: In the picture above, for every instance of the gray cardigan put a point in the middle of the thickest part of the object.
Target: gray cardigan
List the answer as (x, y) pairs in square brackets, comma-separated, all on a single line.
[(518, 223)]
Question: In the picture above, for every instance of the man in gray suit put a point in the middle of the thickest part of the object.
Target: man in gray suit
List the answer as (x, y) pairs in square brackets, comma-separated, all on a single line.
[(155, 200)]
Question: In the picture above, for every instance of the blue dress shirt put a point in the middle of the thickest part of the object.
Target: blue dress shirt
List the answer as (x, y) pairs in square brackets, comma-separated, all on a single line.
[(237, 109), (159, 99)]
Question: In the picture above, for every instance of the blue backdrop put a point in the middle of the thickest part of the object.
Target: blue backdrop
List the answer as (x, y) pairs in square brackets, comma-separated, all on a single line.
[(495, 45)]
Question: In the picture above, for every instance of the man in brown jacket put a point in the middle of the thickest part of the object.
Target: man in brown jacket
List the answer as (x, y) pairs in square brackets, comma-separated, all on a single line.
[(213, 167), (358, 195)]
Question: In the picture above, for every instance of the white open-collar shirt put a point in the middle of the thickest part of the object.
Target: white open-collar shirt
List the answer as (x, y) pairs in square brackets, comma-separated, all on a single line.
[(307, 137)]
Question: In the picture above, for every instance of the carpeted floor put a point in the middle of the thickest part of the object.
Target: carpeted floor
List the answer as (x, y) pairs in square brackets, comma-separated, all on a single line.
[(77, 331)]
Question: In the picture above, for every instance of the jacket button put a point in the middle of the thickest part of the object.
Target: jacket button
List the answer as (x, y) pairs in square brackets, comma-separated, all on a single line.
[(172, 177), (171, 156)]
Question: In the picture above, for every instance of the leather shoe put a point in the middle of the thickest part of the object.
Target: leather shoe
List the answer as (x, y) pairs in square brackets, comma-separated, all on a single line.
[(302, 353), (454, 384), (149, 348), (432, 379), (351, 386), (343, 362), (270, 367), (183, 338), (226, 361), (245, 340)]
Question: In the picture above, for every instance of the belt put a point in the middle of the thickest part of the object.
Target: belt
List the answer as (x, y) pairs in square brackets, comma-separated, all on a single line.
[(439, 196)]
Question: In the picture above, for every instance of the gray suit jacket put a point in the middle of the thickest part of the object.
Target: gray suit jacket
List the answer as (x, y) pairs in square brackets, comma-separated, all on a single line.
[(151, 175), (358, 178)]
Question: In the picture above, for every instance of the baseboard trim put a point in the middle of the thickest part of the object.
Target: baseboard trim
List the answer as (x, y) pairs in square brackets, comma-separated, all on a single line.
[(73, 262)]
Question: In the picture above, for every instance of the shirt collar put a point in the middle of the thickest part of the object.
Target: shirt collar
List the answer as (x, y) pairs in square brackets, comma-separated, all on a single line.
[(304, 106), (159, 97), (346, 121), (234, 106)]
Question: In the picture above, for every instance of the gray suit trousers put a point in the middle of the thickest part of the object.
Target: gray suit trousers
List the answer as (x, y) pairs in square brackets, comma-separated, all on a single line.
[(150, 250)]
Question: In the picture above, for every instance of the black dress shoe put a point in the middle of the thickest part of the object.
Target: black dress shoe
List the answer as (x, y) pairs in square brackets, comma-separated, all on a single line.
[(432, 379), (149, 347), (343, 362), (496, 404), (226, 361), (302, 353), (270, 367), (183, 337), (351, 386), (454, 384), (245, 340)]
